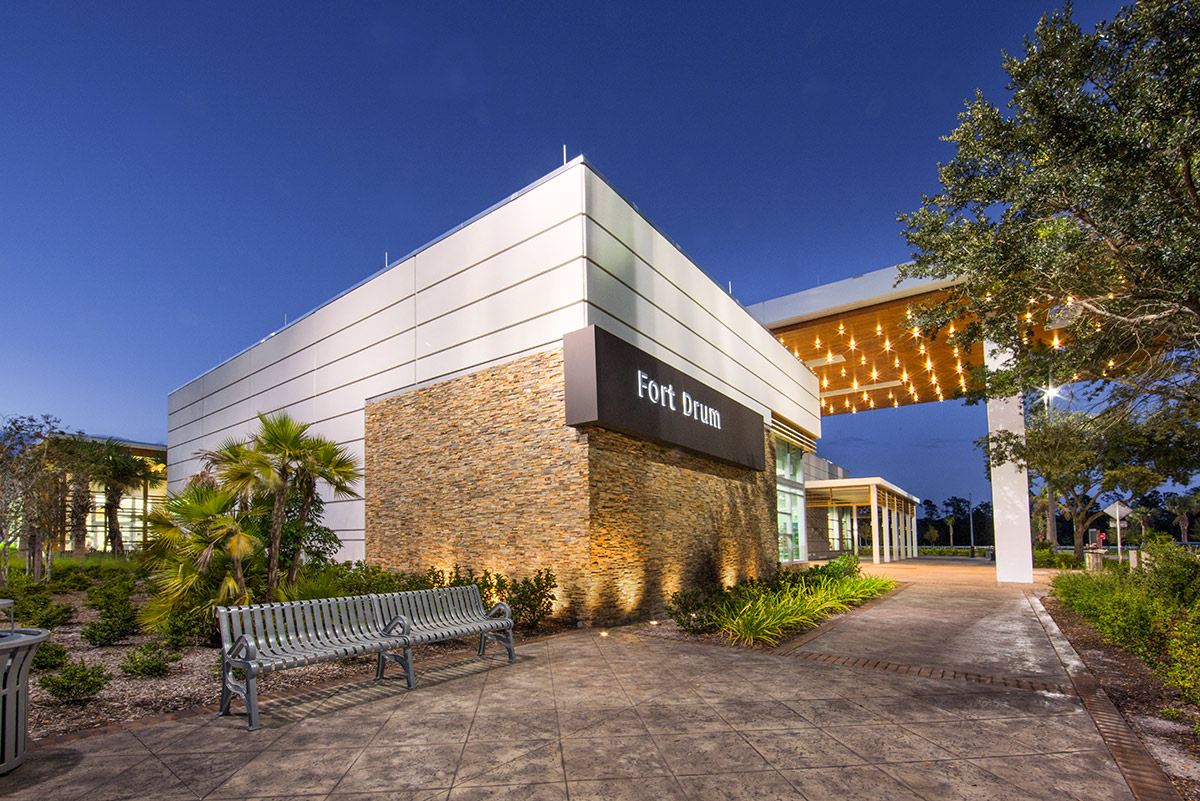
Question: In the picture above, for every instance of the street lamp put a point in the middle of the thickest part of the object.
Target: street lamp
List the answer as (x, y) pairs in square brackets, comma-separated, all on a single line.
[(1049, 392)]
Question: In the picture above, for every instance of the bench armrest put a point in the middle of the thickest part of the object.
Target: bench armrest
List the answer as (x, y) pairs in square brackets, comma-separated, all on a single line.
[(398, 620), (500, 607), (242, 650)]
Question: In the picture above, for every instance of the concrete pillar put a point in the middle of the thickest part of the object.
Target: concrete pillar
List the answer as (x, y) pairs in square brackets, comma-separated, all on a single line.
[(1010, 491), (854, 526), (885, 515), (912, 532), (875, 525), (898, 544)]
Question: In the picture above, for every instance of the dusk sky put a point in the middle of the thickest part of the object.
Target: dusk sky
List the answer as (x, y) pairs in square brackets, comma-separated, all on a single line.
[(177, 179)]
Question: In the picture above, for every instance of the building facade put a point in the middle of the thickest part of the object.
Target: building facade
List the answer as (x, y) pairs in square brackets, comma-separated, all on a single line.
[(553, 384)]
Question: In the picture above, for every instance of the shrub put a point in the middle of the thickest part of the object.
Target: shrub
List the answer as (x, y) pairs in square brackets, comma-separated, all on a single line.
[(763, 618), (693, 610), (150, 660), (750, 614), (114, 589), (1136, 619), (71, 581), (312, 583), (1173, 572), (531, 599), (28, 600), (1183, 670), (49, 656), (117, 621), (52, 616), (180, 630), (75, 682)]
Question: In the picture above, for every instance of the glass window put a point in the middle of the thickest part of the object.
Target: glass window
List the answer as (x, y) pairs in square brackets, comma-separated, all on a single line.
[(789, 485)]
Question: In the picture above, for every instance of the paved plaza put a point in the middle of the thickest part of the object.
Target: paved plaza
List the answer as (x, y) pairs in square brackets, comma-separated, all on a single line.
[(858, 711)]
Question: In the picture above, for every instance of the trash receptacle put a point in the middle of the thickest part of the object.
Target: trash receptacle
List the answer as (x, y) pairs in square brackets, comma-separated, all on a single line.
[(16, 654)]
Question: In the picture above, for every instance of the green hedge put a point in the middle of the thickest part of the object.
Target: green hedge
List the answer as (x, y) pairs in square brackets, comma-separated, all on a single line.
[(531, 598), (1153, 611)]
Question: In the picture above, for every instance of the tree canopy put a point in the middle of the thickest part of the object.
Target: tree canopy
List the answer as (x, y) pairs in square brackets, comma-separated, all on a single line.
[(1071, 216)]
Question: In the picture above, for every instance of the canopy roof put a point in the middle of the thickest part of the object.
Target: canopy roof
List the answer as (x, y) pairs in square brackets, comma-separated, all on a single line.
[(858, 337)]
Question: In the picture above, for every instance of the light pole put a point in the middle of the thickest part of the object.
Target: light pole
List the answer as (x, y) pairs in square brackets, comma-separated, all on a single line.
[(1050, 391), (971, 520)]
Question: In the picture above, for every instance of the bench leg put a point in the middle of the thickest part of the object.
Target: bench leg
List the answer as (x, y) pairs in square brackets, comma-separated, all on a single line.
[(505, 638), (252, 702), (382, 660), (406, 661), (226, 693), (508, 645)]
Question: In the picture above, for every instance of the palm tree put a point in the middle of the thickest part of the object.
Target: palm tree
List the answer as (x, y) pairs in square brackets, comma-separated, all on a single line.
[(120, 471), (281, 456), (1182, 507), (332, 464), (1139, 516), (199, 547)]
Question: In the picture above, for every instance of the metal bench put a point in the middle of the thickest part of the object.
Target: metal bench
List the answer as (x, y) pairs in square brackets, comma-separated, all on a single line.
[(445, 613), (264, 638)]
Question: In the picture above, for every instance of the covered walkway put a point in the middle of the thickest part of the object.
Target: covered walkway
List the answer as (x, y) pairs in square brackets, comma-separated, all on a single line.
[(891, 514)]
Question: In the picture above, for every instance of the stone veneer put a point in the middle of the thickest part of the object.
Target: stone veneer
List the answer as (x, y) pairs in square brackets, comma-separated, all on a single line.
[(482, 471)]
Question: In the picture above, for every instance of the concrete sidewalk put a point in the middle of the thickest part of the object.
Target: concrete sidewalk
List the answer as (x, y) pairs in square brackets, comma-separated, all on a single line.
[(582, 716)]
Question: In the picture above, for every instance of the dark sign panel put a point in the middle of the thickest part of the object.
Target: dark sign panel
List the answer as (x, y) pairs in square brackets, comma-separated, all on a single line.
[(613, 384)]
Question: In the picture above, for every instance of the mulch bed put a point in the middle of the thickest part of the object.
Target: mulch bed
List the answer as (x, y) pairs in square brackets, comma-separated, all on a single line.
[(1155, 711), (194, 679)]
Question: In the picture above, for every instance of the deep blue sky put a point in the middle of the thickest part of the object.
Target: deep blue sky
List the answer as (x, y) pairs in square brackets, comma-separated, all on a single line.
[(176, 178)]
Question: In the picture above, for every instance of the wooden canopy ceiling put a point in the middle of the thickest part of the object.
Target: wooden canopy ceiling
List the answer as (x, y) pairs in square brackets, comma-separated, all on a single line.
[(873, 357)]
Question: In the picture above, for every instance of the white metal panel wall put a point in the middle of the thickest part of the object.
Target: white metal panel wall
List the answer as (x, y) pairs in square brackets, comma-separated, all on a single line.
[(669, 307), (510, 282), (507, 283)]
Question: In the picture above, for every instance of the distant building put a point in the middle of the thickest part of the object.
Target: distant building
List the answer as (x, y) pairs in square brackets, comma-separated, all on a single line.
[(134, 505)]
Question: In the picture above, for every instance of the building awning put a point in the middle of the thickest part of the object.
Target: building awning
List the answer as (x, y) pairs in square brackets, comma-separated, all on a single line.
[(857, 492)]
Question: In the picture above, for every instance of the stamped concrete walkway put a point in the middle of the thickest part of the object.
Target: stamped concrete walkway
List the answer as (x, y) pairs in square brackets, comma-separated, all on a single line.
[(582, 716)]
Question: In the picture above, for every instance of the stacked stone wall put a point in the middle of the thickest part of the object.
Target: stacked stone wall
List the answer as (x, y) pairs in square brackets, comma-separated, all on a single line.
[(663, 519), (482, 471)]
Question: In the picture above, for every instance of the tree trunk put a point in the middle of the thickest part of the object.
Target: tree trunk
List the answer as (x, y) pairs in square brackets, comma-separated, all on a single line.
[(305, 510), (236, 565), (277, 517), (112, 503), (81, 506), (33, 552), (1080, 537), (1051, 518)]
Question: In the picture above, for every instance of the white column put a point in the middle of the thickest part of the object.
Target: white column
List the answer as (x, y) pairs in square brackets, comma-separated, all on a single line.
[(854, 526), (897, 549), (875, 525), (885, 515), (912, 532), (1010, 491)]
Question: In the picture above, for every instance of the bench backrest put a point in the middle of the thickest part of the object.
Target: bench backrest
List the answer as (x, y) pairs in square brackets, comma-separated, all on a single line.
[(433, 608), (299, 625)]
